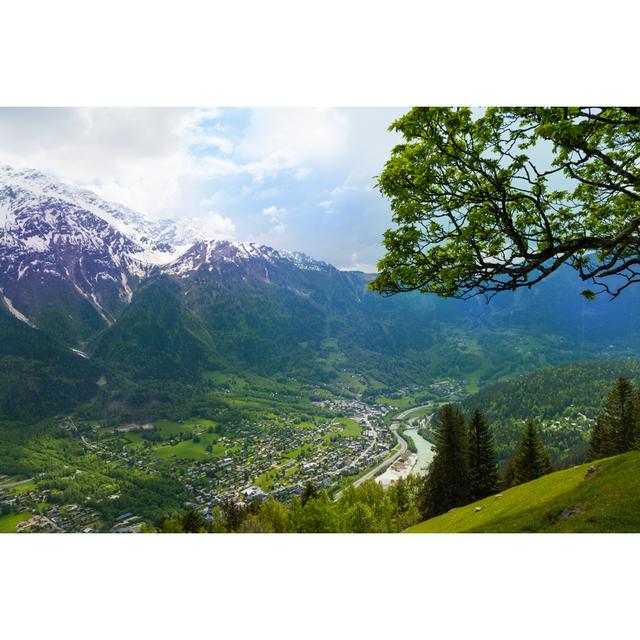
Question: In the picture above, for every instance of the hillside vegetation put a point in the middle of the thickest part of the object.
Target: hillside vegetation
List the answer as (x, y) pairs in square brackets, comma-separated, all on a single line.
[(547, 393), (38, 375), (562, 400), (573, 500)]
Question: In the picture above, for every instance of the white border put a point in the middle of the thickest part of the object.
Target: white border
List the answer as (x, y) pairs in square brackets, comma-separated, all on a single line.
[(286, 52), (318, 586), (329, 53)]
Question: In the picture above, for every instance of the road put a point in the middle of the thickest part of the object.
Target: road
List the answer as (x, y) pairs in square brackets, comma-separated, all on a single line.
[(404, 414), (390, 460), (9, 485), (386, 462)]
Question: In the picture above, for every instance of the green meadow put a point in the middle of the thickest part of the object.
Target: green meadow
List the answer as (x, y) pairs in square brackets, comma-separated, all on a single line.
[(9, 521)]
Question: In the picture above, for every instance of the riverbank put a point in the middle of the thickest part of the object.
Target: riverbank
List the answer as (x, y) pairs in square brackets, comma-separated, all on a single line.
[(401, 468)]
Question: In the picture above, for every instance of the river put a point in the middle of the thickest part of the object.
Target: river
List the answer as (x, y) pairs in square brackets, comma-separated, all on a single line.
[(424, 452)]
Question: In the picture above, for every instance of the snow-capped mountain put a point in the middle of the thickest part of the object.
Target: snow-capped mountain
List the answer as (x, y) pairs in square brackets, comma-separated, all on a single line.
[(59, 258), (217, 255), (70, 261), (154, 242)]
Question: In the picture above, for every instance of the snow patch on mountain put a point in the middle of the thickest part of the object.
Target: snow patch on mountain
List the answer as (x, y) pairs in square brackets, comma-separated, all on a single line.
[(57, 240), (153, 242), (208, 253), (13, 311)]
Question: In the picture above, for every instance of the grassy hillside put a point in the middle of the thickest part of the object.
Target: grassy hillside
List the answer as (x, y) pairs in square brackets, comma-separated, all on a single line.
[(607, 500)]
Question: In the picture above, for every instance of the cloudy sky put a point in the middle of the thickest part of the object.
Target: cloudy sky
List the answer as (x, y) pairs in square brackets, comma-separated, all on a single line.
[(297, 179)]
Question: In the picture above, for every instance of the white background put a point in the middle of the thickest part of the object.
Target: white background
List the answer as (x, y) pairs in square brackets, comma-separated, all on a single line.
[(328, 53)]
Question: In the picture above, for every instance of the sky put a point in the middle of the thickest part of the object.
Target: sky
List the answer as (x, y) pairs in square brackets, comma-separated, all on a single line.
[(298, 179)]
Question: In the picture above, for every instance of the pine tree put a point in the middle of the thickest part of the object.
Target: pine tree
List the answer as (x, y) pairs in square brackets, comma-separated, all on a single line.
[(447, 483), (308, 493), (531, 459), (619, 417), (192, 522), (508, 479), (616, 429), (600, 445), (483, 467)]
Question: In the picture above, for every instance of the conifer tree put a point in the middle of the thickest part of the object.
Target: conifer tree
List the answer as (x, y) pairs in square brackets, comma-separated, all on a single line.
[(508, 479), (192, 522), (483, 467), (619, 416), (447, 483), (600, 445), (308, 493), (531, 459), (616, 429)]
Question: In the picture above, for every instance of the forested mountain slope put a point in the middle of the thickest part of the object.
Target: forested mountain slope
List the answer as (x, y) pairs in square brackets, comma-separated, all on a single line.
[(563, 401), (39, 376), (149, 301), (548, 393)]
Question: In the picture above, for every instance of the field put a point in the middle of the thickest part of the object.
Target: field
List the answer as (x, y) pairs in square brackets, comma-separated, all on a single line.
[(169, 429), (565, 501), (186, 448), (189, 449), (405, 402), (351, 428), (22, 488), (8, 522)]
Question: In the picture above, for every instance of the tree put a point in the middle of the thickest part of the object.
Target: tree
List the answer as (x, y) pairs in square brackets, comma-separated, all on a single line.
[(531, 459), (233, 515), (447, 482), (600, 445), (309, 492), (616, 429), (478, 210), (276, 515), (360, 519), (317, 516), (193, 522), (483, 466), (172, 524)]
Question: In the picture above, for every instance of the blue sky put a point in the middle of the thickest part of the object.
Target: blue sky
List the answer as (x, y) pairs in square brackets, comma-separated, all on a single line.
[(296, 179)]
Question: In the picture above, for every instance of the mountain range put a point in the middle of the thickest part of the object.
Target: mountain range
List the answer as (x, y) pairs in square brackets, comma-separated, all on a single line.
[(95, 284)]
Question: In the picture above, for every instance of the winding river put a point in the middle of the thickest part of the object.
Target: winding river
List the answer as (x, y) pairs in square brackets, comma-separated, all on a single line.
[(424, 452)]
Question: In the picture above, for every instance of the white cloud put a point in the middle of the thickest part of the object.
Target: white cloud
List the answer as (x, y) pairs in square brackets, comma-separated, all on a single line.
[(217, 226), (276, 215), (327, 205), (223, 168), (356, 264), (294, 139), (139, 157)]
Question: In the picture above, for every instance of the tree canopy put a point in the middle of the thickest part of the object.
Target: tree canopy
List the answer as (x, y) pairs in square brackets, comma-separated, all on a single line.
[(498, 199)]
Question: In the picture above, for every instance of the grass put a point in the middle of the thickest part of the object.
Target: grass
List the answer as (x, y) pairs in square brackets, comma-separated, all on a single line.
[(405, 402), (169, 429), (190, 450), (22, 488), (565, 501), (9, 522), (294, 453), (135, 438), (351, 428)]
